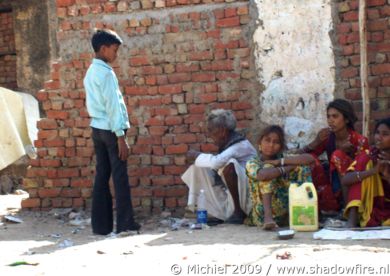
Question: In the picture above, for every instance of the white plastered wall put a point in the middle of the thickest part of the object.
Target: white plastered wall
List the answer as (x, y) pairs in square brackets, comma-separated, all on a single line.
[(295, 63)]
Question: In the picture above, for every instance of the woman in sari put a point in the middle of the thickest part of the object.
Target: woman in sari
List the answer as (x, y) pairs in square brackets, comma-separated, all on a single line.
[(342, 144), (368, 183), (270, 175)]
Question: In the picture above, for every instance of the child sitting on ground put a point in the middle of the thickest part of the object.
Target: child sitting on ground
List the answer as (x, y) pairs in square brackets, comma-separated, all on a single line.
[(270, 175)]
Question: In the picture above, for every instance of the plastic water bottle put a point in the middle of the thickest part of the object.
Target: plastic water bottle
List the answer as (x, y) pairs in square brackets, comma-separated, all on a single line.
[(201, 212)]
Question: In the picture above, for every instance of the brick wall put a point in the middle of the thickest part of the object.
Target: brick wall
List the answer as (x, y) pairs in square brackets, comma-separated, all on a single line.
[(378, 35), (7, 51), (180, 59)]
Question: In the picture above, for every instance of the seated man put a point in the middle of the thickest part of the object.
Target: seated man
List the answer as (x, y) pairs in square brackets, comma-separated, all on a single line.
[(222, 176)]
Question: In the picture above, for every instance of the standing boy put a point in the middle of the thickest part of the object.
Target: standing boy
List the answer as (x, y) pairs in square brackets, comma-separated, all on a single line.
[(109, 122)]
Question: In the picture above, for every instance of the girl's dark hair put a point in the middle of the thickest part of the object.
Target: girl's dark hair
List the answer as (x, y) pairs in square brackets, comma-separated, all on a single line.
[(273, 129), (385, 121), (345, 108), (104, 37)]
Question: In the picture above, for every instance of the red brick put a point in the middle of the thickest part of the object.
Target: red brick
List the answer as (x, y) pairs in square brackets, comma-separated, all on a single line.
[(151, 70), (228, 22), (55, 114), (157, 130), (349, 72), (222, 65), (78, 203), (219, 13), (386, 81), (383, 47), (377, 37), (61, 182), (214, 33), (179, 77), (242, 10), (353, 37), (205, 55), (343, 27), (83, 182), (73, 192), (157, 151), (85, 151), (230, 12), (47, 134), (351, 16), (138, 61), (31, 203), (241, 105), (176, 149), (170, 89), (155, 121), (141, 192), (65, 3), (226, 45), (185, 138), (385, 11), (78, 161), (141, 149), (163, 180), (242, 52), (56, 142), (173, 120), (379, 69), (187, 67), (203, 77), (63, 173), (348, 50), (170, 202), (50, 163), (52, 85), (377, 25), (207, 97), (53, 192), (372, 3), (227, 75)]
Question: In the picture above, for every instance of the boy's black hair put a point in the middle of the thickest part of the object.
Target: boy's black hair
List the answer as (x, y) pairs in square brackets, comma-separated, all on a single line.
[(104, 37), (345, 108)]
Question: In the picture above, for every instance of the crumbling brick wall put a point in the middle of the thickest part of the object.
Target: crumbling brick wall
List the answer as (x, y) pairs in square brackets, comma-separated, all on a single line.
[(179, 60), (378, 36), (7, 50)]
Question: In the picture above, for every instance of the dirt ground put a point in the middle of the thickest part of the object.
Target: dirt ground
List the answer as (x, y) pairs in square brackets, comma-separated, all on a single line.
[(46, 243)]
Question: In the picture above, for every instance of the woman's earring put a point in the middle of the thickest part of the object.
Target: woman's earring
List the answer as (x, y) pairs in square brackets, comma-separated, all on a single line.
[(259, 148)]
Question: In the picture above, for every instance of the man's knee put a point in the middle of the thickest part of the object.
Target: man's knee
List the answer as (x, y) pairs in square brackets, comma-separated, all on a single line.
[(229, 172)]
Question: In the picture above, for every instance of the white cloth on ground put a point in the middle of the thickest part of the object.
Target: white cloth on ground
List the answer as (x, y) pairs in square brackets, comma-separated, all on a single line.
[(219, 202)]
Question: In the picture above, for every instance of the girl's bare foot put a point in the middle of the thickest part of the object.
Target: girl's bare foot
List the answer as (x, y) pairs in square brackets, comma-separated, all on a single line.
[(270, 225), (352, 217)]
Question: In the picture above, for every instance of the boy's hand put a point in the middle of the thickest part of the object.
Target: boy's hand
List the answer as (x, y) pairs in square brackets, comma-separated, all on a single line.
[(123, 148)]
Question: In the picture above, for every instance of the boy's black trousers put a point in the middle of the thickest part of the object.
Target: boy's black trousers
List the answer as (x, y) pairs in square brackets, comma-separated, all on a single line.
[(107, 163)]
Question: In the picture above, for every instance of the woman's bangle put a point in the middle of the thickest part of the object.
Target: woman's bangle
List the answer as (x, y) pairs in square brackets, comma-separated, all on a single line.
[(283, 172), (282, 162), (280, 170), (358, 176)]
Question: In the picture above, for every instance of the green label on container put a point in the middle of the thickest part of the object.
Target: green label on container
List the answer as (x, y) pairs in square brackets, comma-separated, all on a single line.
[(303, 215)]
